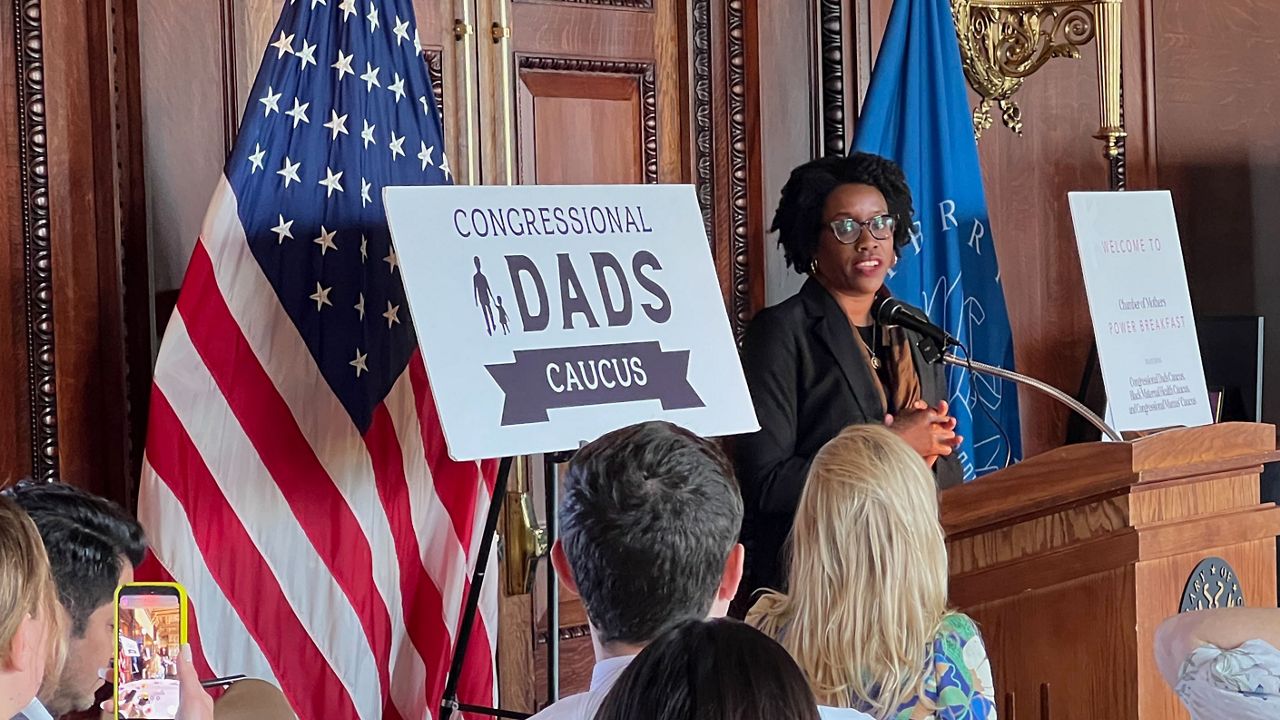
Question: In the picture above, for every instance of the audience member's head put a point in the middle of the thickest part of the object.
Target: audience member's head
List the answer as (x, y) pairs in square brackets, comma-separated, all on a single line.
[(711, 670), (868, 525), (93, 548), (31, 638), (648, 532)]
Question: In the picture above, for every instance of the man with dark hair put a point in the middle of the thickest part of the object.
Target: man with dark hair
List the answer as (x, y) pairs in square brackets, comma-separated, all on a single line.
[(649, 527), (93, 547)]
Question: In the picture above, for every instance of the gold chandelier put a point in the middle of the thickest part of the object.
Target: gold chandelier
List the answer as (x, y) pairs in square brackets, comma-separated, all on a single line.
[(1003, 42)]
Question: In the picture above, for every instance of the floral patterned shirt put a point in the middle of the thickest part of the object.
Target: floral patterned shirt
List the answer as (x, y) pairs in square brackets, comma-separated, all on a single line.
[(960, 685), (1242, 683)]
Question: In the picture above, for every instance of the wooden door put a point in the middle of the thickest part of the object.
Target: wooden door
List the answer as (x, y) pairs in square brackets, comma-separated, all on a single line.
[(578, 92), (583, 91)]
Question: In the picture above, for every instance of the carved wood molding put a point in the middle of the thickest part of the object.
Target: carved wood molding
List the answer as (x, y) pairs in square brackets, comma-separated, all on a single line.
[(700, 12), (567, 632), (831, 26), (36, 246), (137, 313), (1119, 179), (434, 58), (1118, 164), (739, 176), (634, 4), (645, 76)]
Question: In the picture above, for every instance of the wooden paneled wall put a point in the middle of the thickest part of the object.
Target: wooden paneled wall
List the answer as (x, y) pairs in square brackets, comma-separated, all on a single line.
[(1216, 128), (75, 259)]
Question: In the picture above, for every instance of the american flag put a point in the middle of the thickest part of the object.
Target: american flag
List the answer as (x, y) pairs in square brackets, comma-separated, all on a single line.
[(296, 480)]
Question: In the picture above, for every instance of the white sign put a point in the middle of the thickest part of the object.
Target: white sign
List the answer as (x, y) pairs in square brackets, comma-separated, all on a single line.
[(550, 315), (1137, 286)]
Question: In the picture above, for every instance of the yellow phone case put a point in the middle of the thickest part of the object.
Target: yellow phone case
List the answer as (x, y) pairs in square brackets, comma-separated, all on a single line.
[(182, 628)]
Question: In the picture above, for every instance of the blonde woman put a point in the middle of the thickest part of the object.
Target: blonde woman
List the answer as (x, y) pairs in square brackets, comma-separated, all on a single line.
[(30, 628), (866, 614)]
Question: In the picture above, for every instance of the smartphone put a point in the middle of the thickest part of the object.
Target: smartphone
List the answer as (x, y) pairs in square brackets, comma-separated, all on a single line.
[(151, 627)]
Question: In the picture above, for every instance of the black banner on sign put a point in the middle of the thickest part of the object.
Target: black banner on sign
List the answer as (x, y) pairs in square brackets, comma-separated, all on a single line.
[(557, 378)]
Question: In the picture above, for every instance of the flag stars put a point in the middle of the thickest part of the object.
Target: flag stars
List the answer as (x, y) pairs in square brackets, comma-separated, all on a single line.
[(337, 123), (284, 45), (370, 76), (360, 363), (373, 17), (401, 31), (417, 43), (365, 196), (425, 107), (425, 155), (360, 307), (321, 297), (331, 181), (325, 241), (367, 134), (289, 172), (343, 65), (444, 167), (307, 54), (392, 314), (396, 145), (299, 113), (271, 101), (364, 255), (348, 8), (397, 88), (314, 3), (255, 160), (282, 230), (392, 260)]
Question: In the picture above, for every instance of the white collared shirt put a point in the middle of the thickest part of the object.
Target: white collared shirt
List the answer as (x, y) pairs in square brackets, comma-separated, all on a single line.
[(583, 706), (33, 711)]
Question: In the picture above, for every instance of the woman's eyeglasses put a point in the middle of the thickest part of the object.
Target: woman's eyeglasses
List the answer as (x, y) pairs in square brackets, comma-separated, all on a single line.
[(847, 230)]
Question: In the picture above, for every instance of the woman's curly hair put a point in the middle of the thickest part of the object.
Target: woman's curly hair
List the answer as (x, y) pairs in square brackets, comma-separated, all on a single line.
[(798, 219)]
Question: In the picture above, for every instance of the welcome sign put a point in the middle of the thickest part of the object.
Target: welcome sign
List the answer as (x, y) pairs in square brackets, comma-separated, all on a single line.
[(1136, 283), (550, 315)]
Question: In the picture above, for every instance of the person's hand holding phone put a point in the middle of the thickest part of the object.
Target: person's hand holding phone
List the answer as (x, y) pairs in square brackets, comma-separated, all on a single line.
[(194, 703)]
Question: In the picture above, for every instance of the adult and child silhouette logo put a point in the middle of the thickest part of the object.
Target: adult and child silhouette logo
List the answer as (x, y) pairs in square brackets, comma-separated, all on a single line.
[(488, 302)]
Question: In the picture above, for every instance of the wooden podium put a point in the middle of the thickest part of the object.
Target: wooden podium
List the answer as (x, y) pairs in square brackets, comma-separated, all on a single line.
[(1069, 561)]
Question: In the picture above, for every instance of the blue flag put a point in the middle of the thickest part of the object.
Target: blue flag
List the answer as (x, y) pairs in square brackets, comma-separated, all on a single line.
[(917, 113)]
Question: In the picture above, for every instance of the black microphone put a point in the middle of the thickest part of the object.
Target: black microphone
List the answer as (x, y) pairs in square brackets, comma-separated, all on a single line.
[(891, 311)]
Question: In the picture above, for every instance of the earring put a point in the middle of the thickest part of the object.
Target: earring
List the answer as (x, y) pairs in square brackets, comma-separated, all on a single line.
[(813, 267)]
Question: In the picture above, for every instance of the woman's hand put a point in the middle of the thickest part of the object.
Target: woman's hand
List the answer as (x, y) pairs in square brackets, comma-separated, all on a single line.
[(929, 431)]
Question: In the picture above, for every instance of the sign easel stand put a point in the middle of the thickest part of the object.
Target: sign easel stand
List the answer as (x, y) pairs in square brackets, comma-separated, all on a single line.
[(551, 480)]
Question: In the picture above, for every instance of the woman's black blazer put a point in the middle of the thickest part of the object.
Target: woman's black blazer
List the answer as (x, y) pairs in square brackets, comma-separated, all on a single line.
[(808, 381)]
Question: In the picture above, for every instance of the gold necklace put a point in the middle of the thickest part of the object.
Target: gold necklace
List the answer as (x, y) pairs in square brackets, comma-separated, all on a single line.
[(875, 361)]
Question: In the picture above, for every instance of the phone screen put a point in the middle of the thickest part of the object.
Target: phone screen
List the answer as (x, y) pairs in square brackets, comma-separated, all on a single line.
[(151, 636)]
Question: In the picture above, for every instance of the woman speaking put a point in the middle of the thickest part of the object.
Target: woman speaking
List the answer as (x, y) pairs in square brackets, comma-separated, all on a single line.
[(818, 361)]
